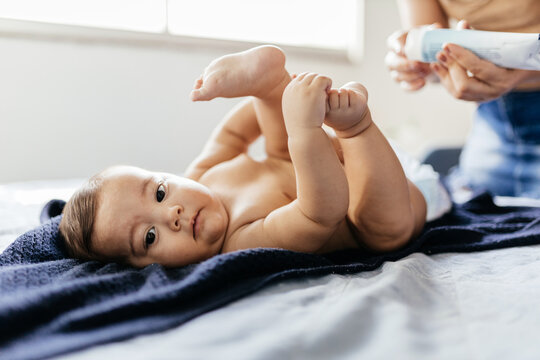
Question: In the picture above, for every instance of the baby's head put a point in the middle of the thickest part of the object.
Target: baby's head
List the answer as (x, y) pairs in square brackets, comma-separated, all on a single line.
[(130, 215)]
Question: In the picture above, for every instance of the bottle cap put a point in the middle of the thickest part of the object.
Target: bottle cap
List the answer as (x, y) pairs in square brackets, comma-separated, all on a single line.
[(413, 44)]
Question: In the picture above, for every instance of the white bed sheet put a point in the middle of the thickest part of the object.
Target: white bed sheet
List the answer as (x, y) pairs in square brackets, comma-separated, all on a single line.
[(482, 305)]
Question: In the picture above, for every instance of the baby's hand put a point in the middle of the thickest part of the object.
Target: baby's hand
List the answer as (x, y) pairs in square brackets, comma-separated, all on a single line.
[(305, 102)]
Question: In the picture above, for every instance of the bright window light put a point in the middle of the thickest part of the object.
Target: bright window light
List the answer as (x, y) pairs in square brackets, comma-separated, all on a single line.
[(138, 15), (309, 23), (304, 23)]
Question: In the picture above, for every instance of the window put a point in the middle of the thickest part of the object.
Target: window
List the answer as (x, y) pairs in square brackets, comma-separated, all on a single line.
[(319, 24), (138, 15), (309, 23)]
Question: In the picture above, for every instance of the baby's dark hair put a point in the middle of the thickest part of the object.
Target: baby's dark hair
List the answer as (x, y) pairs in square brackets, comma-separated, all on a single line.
[(78, 218)]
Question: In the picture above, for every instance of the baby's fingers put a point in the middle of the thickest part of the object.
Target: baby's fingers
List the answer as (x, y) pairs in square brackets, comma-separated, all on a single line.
[(300, 76), (322, 81)]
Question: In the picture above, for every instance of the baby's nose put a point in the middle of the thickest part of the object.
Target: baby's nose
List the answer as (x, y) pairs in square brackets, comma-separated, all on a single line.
[(174, 218)]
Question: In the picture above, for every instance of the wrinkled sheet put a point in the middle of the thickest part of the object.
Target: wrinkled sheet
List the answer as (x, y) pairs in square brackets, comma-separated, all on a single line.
[(481, 305)]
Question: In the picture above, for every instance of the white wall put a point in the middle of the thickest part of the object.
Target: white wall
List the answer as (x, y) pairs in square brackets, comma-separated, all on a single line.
[(69, 109)]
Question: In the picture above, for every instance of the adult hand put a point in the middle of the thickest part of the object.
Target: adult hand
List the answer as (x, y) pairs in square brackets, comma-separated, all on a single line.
[(467, 77), (410, 74)]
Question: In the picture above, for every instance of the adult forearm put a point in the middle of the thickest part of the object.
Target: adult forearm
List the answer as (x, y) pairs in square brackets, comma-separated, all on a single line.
[(529, 77), (322, 187), (421, 12)]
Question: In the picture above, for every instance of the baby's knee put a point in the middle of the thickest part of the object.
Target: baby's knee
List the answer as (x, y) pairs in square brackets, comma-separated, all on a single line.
[(388, 235)]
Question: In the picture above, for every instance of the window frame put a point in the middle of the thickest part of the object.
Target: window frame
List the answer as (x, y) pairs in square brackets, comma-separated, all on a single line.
[(58, 32)]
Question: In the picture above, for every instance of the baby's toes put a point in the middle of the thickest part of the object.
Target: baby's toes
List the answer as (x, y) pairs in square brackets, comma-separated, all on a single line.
[(196, 93), (357, 87), (356, 99), (333, 99), (198, 83), (200, 93), (343, 98)]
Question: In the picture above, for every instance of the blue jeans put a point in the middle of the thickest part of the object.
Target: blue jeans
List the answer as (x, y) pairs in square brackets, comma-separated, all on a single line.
[(502, 152)]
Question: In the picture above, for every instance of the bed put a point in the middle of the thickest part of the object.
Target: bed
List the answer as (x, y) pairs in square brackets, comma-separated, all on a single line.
[(473, 305)]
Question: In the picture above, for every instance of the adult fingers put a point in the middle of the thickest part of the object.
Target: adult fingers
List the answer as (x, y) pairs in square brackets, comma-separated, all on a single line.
[(395, 62), (463, 25), (435, 25), (396, 41), (479, 68), (456, 80), (413, 85), (442, 73), (406, 76), (446, 79)]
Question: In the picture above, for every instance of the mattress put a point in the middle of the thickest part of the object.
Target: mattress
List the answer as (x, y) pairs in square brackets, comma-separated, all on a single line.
[(480, 305)]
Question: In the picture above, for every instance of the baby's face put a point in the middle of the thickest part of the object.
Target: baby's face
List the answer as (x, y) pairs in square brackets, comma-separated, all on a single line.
[(150, 217)]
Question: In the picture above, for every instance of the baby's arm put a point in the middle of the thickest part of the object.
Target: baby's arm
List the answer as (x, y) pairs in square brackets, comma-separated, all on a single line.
[(231, 137), (322, 201), (322, 187)]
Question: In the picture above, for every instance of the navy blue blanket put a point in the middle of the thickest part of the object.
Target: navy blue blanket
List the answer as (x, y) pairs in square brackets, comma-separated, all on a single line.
[(50, 304)]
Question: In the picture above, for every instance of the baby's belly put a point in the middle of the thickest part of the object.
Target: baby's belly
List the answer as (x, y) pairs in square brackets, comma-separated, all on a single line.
[(281, 173), (256, 188)]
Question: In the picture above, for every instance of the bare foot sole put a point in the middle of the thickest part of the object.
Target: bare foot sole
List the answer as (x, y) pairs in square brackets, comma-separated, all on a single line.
[(254, 72), (347, 111)]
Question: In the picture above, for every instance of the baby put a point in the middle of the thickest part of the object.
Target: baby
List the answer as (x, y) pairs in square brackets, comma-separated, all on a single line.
[(312, 193)]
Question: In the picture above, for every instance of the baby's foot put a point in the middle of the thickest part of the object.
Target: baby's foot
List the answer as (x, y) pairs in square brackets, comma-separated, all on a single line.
[(347, 110), (255, 72)]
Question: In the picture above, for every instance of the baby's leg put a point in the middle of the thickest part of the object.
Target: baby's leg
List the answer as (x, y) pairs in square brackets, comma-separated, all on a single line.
[(258, 72), (386, 209)]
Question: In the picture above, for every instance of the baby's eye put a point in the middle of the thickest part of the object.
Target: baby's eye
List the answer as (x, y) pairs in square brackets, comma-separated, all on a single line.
[(150, 237), (160, 193)]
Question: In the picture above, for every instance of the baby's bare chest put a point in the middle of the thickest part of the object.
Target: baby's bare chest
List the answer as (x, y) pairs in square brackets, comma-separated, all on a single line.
[(252, 189)]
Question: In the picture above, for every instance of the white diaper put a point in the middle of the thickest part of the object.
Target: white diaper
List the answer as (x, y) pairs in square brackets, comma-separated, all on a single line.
[(428, 182)]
